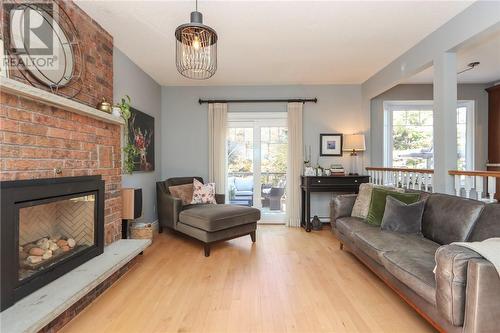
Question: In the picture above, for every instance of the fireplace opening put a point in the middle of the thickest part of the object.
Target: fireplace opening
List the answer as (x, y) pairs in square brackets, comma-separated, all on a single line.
[(51, 232), (48, 227)]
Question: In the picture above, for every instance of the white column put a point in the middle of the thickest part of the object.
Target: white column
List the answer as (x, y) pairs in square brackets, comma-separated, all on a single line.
[(445, 121)]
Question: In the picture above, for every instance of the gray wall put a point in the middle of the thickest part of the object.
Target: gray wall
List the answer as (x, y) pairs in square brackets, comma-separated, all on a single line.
[(184, 123), (128, 79), (413, 92)]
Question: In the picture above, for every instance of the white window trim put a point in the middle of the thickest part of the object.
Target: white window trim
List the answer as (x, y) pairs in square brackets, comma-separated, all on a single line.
[(470, 135), (389, 107)]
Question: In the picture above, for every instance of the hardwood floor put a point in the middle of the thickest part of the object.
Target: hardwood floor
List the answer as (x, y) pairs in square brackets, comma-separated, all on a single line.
[(289, 281)]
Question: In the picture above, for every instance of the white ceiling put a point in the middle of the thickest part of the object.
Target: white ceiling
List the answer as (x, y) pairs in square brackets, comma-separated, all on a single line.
[(486, 51), (275, 42)]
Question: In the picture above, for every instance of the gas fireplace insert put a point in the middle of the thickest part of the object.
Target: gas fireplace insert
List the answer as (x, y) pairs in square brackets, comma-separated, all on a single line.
[(48, 227)]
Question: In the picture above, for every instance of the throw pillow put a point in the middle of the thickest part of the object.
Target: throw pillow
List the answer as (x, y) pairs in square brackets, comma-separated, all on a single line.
[(401, 217), (183, 192), (377, 204), (362, 203), (203, 193)]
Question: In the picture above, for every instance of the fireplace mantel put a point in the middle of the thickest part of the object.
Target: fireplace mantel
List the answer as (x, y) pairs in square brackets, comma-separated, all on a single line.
[(25, 90)]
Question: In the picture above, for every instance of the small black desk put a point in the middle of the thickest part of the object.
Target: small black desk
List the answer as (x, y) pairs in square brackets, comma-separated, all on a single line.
[(309, 184)]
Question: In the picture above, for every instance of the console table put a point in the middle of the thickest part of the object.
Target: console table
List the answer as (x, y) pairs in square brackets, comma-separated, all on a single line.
[(309, 184)]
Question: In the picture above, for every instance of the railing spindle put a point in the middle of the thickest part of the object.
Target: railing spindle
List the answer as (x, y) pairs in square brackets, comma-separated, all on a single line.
[(479, 187), (492, 185)]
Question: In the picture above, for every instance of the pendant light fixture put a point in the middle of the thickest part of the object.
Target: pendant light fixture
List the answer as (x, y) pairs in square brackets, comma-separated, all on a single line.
[(196, 49)]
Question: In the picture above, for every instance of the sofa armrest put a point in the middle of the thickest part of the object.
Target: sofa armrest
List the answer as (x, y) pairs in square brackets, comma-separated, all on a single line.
[(168, 207), (451, 280), (482, 309), (341, 206)]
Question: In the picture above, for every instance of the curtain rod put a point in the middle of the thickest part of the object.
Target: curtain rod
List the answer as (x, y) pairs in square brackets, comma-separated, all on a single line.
[(291, 100)]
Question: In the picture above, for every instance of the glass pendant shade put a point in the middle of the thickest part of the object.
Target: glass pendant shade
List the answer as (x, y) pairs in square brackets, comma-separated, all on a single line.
[(196, 49)]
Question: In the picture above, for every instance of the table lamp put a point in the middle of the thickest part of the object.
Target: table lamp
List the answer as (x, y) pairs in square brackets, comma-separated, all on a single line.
[(354, 143)]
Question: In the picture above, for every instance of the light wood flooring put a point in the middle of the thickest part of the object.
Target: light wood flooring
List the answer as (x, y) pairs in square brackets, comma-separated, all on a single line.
[(288, 281)]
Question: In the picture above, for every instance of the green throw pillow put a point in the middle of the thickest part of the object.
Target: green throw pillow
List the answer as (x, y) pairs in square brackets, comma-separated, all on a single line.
[(377, 204)]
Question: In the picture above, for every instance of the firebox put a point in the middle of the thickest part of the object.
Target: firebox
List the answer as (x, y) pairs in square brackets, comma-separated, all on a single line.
[(48, 227)]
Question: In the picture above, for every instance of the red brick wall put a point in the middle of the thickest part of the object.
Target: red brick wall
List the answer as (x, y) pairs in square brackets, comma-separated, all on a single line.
[(36, 139)]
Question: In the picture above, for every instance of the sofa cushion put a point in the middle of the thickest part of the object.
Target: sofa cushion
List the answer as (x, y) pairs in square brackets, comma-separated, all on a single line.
[(183, 192), (377, 204), (375, 242), (362, 203), (451, 281), (203, 193), (488, 224), (218, 217), (414, 267), (401, 217), (449, 218), (349, 225)]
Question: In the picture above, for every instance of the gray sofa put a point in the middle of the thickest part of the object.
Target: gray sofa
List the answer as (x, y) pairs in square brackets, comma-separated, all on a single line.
[(209, 223), (464, 293)]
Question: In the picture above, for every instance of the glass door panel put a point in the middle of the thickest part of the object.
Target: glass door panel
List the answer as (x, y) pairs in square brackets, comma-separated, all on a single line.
[(240, 166), (273, 163), (257, 149)]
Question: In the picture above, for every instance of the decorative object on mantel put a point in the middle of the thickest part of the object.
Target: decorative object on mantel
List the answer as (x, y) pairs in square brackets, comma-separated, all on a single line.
[(354, 143), (130, 151), (196, 48), (330, 144), (55, 60), (104, 106)]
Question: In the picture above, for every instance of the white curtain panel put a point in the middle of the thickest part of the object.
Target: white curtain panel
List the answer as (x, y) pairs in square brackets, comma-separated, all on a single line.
[(217, 126), (295, 162)]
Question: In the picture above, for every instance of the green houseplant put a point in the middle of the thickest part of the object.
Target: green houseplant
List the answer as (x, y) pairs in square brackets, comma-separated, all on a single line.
[(129, 149)]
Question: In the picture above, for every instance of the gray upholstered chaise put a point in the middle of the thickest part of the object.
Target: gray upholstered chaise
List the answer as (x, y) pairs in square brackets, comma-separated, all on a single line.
[(464, 293), (208, 223)]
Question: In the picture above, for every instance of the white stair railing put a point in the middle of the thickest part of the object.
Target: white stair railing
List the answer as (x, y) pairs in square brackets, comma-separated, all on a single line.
[(416, 179), (479, 185)]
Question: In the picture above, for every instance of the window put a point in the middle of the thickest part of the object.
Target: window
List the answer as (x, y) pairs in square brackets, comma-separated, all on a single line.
[(408, 135)]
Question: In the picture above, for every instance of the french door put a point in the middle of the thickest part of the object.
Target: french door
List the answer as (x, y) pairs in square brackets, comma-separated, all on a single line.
[(257, 149)]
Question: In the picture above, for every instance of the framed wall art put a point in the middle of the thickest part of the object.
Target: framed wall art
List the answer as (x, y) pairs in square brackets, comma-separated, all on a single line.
[(330, 144), (142, 135)]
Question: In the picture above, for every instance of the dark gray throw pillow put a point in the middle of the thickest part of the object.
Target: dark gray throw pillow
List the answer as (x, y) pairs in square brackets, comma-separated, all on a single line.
[(401, 217)]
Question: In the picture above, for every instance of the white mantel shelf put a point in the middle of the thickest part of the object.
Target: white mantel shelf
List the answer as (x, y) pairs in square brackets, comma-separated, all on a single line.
[(39, 95)]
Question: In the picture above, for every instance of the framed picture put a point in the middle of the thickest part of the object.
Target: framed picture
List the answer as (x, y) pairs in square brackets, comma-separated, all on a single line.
[(141, 132), (330, 144)]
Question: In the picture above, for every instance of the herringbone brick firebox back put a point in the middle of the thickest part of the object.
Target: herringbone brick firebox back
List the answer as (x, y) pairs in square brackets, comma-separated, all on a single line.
[(36, 139)]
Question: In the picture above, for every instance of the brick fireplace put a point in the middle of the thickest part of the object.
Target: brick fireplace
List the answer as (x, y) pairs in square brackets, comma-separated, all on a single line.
[(42, 141)]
